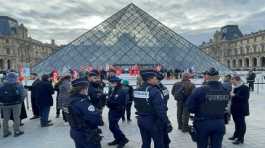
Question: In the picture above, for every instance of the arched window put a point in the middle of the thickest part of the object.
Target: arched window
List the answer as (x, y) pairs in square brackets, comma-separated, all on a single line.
[(9, 64), (247, 62), (254, 62), (240, 63), (2, 64), (228, 64), (262, 61), (234, 63)]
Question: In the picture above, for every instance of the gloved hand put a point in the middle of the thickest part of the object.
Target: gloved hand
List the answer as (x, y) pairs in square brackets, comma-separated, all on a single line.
[(169, 128)]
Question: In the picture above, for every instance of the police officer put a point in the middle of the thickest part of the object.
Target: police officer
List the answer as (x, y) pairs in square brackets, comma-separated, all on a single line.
[(129, 91), (151, 111), (116, 103), (165, 94), (208, 103), (83, 117), (163, 88)]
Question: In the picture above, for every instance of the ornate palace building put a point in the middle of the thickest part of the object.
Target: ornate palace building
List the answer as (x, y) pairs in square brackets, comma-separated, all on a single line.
[(17, 48), (235, 50)]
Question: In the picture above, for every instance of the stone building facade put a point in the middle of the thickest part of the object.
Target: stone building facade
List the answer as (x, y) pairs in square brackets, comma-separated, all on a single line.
[(17, 48), (235, 50)]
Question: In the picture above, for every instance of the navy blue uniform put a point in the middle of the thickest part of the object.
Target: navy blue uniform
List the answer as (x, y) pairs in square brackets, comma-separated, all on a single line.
[(84, 121), (209, 103), (165, 94), (151, 115), (116, 103)]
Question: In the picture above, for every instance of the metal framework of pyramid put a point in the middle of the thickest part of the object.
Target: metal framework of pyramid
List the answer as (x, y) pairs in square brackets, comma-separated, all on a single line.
[(130, 36)]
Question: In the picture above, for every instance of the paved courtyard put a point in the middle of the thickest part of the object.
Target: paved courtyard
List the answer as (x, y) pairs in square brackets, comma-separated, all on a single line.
[(57, 136)]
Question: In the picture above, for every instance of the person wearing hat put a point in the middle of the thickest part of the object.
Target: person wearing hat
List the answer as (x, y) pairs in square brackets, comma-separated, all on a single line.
[(209, 103), (129, 91), (239, 109), (116, 103), (83, 117), (151, 111), (12, 95), (181, 91)]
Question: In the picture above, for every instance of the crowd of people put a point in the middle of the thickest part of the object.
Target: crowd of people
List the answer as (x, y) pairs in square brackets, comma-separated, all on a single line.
[(82, 100)]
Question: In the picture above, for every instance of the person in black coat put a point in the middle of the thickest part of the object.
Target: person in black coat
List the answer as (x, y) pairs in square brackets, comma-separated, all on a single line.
[(239, 109), (44, 99), (34, 106)]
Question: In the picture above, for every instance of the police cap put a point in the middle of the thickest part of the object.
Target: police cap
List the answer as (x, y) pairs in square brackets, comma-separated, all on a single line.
[(160, 76), (149, 74)]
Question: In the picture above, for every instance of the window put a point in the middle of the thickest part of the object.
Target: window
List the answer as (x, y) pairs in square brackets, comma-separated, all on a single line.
[(8, 51)]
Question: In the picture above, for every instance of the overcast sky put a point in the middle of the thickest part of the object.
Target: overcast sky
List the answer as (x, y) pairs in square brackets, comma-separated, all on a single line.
[(64, 20)]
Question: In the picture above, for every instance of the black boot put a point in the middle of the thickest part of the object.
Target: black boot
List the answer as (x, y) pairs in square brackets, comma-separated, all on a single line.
[(123, 143), (232, 138), (115, 142), (238, 141)]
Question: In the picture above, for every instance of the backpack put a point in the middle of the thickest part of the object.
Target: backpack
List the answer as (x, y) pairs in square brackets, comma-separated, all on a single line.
[(179, 92), (9, 94), (183, 91)]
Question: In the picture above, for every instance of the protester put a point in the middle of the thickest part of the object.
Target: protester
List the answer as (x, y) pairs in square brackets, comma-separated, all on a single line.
[(12, 95), (45, 100), (35, 108), (64, 89), (181, 91)]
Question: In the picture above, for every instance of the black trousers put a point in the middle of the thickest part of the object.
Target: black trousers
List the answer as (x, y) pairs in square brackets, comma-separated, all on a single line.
[(251, 86), (240, 126), (127, 111), (35, 107)]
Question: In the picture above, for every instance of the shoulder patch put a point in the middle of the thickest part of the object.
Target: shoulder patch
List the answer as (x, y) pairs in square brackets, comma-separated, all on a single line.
[(165, 92), (91, 108)]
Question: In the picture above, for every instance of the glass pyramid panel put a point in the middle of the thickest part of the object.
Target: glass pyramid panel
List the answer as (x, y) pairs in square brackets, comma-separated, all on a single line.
[(130, 36)]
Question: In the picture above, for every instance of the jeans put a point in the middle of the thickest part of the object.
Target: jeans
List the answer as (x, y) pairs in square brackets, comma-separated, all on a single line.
[(44, 115), (15, 110)]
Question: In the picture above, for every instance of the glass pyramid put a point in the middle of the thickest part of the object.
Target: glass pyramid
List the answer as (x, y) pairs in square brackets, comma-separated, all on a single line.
[(129, 37)]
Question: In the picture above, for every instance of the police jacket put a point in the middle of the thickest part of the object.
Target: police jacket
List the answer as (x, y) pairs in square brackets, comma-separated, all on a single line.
[(82, 114), (117, 99), (148, 101), (240, 104), (95, 92), (209, 101), (164, 91)]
